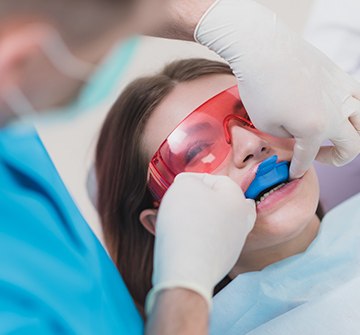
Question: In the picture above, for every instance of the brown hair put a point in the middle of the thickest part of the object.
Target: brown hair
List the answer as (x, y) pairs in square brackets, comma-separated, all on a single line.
[(121, 169)]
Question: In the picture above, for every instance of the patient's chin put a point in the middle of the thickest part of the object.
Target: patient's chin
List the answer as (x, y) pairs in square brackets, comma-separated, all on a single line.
[(289, 220), (274, 234)]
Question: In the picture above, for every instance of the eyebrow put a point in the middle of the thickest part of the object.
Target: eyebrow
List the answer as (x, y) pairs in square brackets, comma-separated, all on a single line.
[(198, 126)]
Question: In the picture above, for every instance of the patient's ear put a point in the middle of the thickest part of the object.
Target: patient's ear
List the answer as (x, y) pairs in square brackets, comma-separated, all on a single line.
[(148, 220)]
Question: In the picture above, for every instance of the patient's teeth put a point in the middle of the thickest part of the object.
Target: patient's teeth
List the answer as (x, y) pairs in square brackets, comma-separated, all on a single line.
[(264, 196)]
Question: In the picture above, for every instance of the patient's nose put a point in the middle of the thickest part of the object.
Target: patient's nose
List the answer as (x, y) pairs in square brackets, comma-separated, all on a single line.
[(247, 146)]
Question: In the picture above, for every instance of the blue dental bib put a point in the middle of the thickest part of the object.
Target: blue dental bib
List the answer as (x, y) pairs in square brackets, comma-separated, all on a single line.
[(268, 174)]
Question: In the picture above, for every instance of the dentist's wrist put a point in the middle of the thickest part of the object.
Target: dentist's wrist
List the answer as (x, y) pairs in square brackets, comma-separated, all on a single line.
[(178, 311), (238, 26), (179, 19), (205, 294)]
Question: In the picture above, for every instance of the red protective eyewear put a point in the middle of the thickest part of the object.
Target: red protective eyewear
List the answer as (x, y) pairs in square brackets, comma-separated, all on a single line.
[(200, 143)]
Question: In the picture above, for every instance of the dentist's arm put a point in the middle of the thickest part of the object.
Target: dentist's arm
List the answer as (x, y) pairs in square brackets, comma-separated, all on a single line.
[(202, 225), (288, 86), (178, 311)]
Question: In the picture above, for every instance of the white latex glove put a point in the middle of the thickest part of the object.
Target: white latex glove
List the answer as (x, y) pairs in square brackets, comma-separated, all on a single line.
[(201, 228), (288, 86)]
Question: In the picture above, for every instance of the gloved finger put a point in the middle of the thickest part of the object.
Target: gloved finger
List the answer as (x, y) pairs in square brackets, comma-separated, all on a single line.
[(206, 179), (226, 187), (351, 107), (189, 175), (222, 184), (190, 178), (252, 206), (346, 147), (351, 110), (218, 183), (355, 89), (305, 151), (269, 127), (355, 121)]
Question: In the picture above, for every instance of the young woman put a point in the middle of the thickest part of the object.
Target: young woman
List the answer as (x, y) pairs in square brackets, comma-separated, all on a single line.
[(141, 119)]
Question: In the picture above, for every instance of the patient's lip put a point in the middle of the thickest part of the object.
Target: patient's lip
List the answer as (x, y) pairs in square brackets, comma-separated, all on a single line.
[(277, 198), (249, 177), (251, 174)]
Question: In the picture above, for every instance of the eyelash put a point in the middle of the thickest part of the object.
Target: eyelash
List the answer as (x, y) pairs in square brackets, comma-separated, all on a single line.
[(195, 150)]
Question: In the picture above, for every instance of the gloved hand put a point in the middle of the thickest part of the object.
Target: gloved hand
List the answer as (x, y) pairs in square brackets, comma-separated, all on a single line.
[(288, 87), (201, 227)]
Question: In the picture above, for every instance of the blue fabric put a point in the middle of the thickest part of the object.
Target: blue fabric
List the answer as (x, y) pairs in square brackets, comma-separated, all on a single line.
[(55, 277), (330, 264)]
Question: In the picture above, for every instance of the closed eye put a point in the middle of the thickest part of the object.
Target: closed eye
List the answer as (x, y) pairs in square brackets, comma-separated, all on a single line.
[(198, 149)]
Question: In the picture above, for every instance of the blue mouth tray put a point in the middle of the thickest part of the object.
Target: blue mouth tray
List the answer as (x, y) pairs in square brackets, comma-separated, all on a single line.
[(268, 174)]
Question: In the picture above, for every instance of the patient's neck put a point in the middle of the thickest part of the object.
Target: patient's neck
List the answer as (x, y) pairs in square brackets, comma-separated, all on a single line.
[(258, 259)]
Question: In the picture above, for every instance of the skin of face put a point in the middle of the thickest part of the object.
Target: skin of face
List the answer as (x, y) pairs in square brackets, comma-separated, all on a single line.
[(26, 66), (285, 225)]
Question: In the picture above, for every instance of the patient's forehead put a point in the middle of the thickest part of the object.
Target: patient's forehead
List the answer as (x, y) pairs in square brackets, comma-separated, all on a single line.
[(181, 101)]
